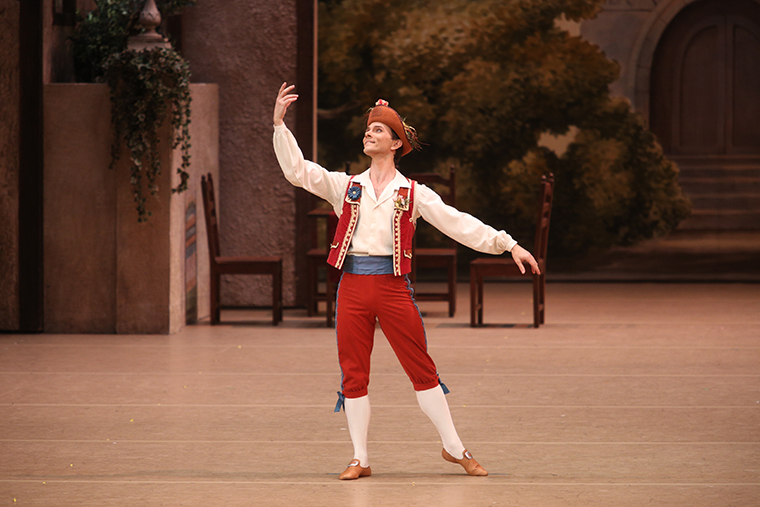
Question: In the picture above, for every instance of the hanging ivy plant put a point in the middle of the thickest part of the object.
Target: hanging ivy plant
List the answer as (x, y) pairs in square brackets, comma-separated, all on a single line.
[(145, 87)]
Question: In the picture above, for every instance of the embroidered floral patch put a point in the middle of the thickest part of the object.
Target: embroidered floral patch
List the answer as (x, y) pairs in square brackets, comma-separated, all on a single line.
[(354, 192), (402, 203)]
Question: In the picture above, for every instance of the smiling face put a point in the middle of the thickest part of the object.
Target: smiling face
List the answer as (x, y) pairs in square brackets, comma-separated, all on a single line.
[(378, 140)]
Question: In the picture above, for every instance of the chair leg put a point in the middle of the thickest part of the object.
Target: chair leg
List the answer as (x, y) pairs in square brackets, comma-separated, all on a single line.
[(277, 295), (330, 300), (473, 296), (214, 298), (536, 300), (481, 303), (542, 296), (452, 288), (311, 300)]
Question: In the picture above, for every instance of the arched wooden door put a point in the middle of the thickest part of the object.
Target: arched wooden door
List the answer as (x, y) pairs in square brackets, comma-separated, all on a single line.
[(705, 109)]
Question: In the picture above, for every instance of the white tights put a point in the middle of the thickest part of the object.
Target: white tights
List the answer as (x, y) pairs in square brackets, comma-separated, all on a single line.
[(357, 413), (433, 404)]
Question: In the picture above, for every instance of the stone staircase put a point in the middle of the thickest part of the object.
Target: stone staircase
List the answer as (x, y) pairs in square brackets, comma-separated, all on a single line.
[(725, 192)]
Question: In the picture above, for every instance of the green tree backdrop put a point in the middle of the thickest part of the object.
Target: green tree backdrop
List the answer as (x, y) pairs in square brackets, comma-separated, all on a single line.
[(482, 80)]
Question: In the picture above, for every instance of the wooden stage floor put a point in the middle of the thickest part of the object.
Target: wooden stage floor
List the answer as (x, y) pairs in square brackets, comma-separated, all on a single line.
[(630, 395)]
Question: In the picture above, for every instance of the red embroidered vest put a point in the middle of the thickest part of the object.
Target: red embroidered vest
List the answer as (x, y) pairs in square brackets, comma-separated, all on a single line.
[(403, 228)]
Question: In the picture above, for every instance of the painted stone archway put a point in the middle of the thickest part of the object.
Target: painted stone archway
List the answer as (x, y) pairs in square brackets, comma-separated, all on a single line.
[(638, 84), (705, 86), (697, 83)]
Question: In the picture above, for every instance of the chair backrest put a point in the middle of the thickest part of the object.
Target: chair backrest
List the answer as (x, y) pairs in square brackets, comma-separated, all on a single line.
[(209, 210), (449, 196), (546, 196)]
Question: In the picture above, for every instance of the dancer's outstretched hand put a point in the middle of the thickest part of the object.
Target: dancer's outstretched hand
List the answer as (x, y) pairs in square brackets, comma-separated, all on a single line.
[(521, 255), (284, 99)]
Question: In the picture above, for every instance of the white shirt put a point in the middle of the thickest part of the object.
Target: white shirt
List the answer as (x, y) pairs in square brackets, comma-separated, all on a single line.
[(374, 234)]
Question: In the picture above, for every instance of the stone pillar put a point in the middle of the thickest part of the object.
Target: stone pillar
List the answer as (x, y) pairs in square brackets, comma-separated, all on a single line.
[(249, 49), (9, 165)]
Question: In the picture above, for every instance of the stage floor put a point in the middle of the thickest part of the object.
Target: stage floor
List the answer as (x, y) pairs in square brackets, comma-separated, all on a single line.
[(630, 395)]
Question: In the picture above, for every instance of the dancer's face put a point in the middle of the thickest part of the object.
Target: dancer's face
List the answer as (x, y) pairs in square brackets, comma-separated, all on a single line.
[(378, 140)]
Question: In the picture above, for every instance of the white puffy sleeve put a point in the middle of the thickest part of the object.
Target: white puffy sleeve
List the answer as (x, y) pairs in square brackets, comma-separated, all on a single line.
[(461, 227), (329, 185)]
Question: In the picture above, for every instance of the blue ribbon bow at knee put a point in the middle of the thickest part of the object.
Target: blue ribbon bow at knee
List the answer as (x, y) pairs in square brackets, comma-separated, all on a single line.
[(341, 402)]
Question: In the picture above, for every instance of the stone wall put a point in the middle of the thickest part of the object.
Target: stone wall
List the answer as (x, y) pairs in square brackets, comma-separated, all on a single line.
[(9, 93), (248, 49)]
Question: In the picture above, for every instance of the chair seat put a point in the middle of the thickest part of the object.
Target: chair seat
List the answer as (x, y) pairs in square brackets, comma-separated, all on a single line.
[(319, 253), (248, 265), (497, 266), (496, 261), (435, 252), (432, 296), (501, 266)]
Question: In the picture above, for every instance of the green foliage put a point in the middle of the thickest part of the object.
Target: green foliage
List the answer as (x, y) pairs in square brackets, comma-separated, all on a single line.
[(625, 189), (482, 80), (145, 86), (104, 31)]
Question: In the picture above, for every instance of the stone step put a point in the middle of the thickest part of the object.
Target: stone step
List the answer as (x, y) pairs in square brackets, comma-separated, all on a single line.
[(724, 190), (722, 220), (725, 186), (715, 160), (719, 167), (750, 171), (747, 202)]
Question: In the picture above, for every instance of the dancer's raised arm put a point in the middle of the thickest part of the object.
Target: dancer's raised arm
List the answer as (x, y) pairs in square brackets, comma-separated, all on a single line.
[(328, 185), (284, 99)]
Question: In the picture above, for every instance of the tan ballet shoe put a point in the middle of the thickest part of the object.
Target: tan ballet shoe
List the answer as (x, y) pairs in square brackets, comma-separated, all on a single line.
[(469, 464), (354, 471)]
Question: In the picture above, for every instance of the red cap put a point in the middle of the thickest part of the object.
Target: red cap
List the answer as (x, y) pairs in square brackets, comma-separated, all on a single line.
[(383, 113)]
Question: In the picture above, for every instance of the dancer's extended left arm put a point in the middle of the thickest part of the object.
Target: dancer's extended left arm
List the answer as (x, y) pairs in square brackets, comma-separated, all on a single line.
[(468, 230)]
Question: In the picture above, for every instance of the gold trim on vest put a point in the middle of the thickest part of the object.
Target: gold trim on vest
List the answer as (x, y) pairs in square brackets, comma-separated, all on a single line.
[(401, 204), (349, 234)]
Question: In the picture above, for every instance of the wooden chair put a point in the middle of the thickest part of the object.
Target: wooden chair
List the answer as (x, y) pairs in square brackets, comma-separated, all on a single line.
[(236, 265), (316, 259), (505, 266), (445, 258)]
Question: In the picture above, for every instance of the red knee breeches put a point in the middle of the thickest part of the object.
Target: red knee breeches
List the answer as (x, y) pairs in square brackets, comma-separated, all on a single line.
[(363, 298)]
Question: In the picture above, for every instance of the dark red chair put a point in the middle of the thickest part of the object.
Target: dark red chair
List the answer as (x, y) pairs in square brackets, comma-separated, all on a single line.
[(316, 259), (506, 267), (442, 258), (236, 265)]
